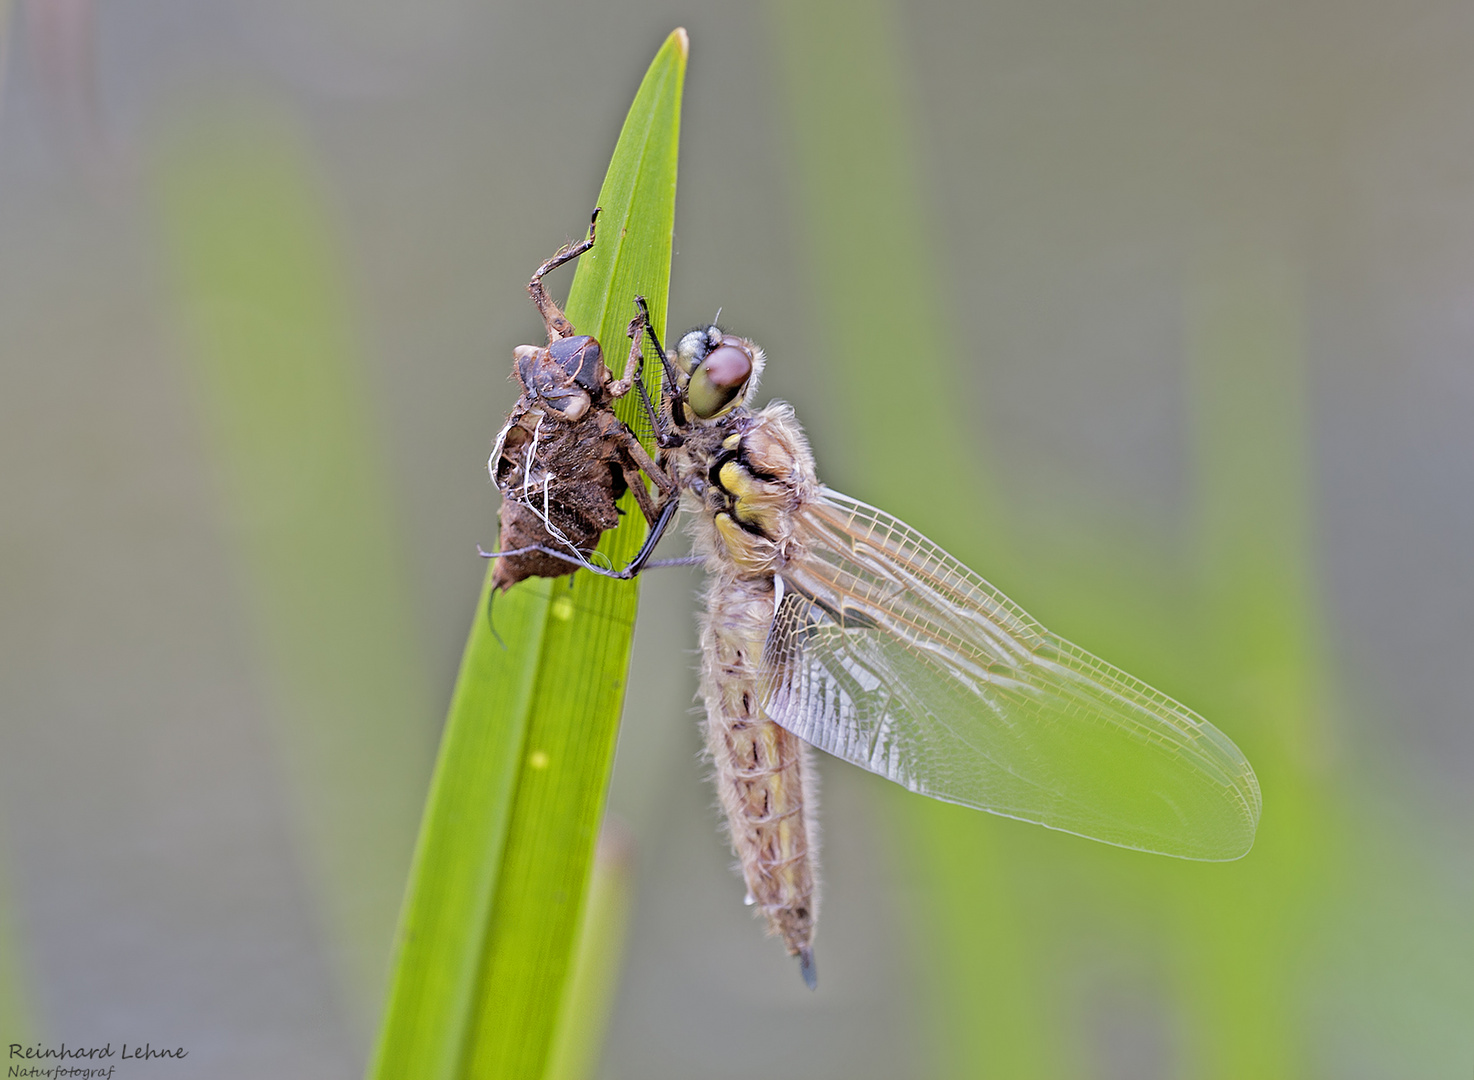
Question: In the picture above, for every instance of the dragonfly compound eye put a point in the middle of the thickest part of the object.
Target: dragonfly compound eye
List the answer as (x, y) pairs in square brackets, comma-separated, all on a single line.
[(720, 379), (693, 347)]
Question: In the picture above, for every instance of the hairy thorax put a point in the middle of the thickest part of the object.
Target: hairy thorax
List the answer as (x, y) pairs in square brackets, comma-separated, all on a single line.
[(745, 476)]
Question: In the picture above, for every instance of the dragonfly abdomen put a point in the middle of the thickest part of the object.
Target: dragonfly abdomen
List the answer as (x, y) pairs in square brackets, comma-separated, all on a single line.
[(763, 774)]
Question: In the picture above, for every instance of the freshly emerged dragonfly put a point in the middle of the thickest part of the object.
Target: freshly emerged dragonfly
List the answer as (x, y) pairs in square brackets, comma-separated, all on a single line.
[(831, 623)]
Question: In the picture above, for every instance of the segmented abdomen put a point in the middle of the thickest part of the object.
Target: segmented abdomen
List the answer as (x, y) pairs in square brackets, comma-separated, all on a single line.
[(763, 775)]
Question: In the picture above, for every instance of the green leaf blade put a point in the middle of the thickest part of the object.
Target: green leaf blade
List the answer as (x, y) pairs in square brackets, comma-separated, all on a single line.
[(490, 924), (462, 836)]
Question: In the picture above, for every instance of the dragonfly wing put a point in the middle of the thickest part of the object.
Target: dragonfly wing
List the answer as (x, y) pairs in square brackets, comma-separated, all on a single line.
[(889, 653)]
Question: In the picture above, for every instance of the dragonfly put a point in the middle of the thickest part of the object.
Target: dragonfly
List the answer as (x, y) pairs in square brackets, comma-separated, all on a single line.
[(830, 623)]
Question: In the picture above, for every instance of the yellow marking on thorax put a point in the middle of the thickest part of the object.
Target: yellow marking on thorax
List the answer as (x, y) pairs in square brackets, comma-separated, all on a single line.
[(736, 481), (748, 552), (754, 501)]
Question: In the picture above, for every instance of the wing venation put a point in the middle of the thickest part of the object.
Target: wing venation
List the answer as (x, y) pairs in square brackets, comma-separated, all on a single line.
[(933, 678)]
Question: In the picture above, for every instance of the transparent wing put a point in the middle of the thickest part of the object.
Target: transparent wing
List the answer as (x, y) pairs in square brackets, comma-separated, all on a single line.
[(889, 653)]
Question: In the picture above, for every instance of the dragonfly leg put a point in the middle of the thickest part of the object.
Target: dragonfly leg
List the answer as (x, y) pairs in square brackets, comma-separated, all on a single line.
[(635, 480), (672, 381), (635, 372), (632, 570)]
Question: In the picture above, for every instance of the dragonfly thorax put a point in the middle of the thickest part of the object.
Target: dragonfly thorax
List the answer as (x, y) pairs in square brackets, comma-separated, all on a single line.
[(751, 473)]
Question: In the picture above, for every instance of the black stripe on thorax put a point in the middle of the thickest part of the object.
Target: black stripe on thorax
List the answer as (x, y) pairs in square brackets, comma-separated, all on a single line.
[(739, 455)]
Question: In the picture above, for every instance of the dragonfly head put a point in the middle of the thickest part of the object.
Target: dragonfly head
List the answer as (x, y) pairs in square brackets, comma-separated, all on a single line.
[(722, 370)]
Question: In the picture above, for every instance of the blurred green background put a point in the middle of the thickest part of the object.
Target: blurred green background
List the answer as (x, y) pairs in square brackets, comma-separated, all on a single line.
[(1156, 314)]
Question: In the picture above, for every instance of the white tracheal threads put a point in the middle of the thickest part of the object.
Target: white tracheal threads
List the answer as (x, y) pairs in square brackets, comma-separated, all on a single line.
[(763, 775)]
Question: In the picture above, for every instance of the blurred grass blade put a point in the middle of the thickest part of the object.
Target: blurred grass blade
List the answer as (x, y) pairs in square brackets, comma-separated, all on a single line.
[(490, 922), (870, 259), (870, 265), (285, 402), (1243, 932)]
